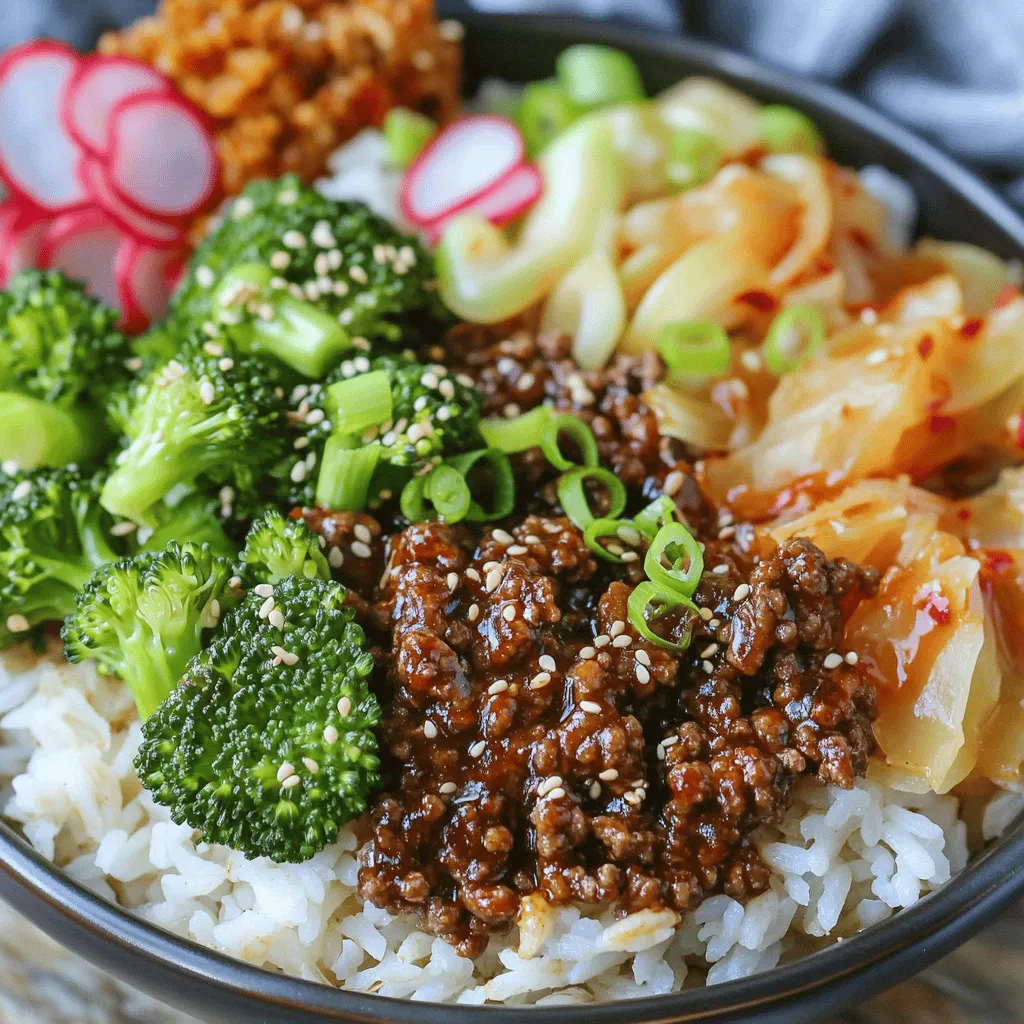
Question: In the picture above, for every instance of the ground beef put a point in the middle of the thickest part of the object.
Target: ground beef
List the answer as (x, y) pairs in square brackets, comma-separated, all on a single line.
[(533, 742)]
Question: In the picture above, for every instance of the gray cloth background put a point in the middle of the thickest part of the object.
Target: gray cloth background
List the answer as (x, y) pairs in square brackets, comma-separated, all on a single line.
[(953, 70)]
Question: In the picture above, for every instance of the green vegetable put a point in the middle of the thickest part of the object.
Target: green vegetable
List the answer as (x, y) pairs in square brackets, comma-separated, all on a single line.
[(445, 488), (693, 157), (346, 473), (222, 750), (356, 403), (194, 518), (695, 347), (53, 535), (143, 618), (783, 129), (485, 278), (622, 529), (649, 595), (580, 434), (518, 433), (572, 494), (192, 420), (406, 134), (597, 76), (492, 485), (545, 111), (277, 547), (675, 542), (60, 357), (794, 336), (290, 260), (657, 514)]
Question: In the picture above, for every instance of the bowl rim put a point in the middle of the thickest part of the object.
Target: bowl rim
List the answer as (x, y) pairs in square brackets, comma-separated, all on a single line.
[(857, 967)]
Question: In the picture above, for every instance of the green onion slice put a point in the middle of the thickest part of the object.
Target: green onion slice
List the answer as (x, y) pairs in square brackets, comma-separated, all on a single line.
[(794, 336), (406, 134), (545, 111), (518, 433), (412, 501), (360, 402), (624, 530), (597, 76), (446, 489), (677, 544), (499, 483), (659, 513), (693, 157), (784, 129), (573, 495), (695, 346), (579, 432), (346, 470), (650, 595)]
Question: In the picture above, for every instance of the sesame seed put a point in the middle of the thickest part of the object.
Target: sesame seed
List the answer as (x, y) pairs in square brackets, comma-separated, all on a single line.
[(526, 381), (291, 782), (117, 530), (622, 641), (315, 416), (518, 549), (608, 775), (591, 707), (709, 651), (358, 275), (493, 580), (235, 582), (642, 675), (726, 532), (23, 490), (714, 623), (720, 570), (134, 364), (336, 557), (546, 662), (707, 666), (602, 641), (499, 686), (618, 627), (289, 657), (742, 592), (205, 276), (17, 623), (595, 790), (286, 769), (322, 235), (633, 797), (311, 766), (452, 580), (362, 532), (851, 658), (360, 550), (474, 612), (298, 473), (540, 680), (833, 660), (556, 794), (447, 788), (751, 360), (478, 748), (451, 31), (879, 355), (508, 613), (429, 729), (279, 260), (225, 364), (276, 619), (659, 750), (588, 652), (643, 657), (473, 575), (330, 734), (344, 707), (488, 566)]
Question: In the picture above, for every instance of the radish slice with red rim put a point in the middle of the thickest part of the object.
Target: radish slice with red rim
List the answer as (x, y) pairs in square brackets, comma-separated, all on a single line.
[(462, 163), (162, 157), (145, 228), (98, 84), (37, 158), (503, 202), (21, 233), (145, 280), (82, 245)]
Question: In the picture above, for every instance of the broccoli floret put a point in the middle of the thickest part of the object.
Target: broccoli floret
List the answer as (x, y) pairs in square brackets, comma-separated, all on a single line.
[(277, 547), (267, 746), (198, 418), (142, 618), (194, 519), (53, 534), (292, 274), (60, 356)]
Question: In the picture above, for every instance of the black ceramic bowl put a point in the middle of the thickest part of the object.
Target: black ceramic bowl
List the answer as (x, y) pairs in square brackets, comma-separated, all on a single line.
[(954, 205)]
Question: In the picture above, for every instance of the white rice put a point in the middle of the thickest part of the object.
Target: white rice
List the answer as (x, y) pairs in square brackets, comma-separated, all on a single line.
[(842, 860)]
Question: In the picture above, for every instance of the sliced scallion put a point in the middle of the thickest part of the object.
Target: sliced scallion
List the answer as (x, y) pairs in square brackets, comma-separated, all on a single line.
[(545, 111), (446, 489), (650, 595), (499, 483), (659, 513), (676, 543), (572, 494), (359, 402), (794, 336), (597, 76), (785, 129), (406, 134), (518, 433), (693, 157), (579, 432), (695, 346), (346, 469), (624, 530)]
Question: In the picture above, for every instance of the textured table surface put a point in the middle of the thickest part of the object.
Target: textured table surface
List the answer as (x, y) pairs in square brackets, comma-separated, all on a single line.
[(981, 983)]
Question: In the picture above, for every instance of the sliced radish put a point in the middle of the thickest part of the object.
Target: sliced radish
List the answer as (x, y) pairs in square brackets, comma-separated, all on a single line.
[(515, 193), (37, 158), (145, 228), (21, 233), (462, 163), (162, 157), (83, 245), (145, 280), (97, 86)]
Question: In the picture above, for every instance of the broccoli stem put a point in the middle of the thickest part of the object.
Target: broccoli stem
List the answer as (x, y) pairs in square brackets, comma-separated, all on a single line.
[(35, 433), (299, 334)]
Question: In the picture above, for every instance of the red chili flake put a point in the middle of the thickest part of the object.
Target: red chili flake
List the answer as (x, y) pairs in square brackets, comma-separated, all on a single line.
[(861, 239), (1006, 296), (971, 327), (937, 608), (963, 514), (997, 561), (938, 423), (823, 266), (761, 301), (925, 346)]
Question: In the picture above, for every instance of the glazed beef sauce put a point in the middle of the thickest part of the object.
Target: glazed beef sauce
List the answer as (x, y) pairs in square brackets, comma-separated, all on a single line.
[(532, 740)]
